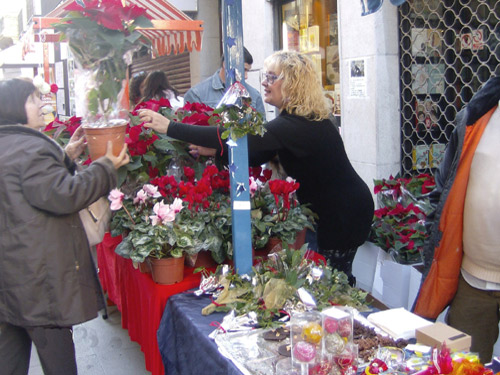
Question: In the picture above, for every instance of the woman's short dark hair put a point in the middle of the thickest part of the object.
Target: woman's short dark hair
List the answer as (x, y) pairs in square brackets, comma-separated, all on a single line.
[(13, 96)]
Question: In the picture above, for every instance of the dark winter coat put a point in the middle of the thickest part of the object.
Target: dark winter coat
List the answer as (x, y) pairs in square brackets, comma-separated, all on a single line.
[(47, 276)]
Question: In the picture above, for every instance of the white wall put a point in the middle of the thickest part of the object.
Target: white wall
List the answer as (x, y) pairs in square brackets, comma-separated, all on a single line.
[(370, 125), (207, 61), (258, 28)]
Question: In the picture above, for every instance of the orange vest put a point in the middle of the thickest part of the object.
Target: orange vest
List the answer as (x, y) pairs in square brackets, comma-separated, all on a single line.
[(440, 285)]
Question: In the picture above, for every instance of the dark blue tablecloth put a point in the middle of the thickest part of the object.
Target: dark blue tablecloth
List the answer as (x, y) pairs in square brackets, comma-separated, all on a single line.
[(183, 339)]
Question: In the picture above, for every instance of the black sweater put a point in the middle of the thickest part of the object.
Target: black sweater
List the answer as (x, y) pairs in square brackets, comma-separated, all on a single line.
[(312, 152)]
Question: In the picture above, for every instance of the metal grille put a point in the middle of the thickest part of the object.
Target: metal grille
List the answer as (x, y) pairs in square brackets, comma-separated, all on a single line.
[(448, 50)]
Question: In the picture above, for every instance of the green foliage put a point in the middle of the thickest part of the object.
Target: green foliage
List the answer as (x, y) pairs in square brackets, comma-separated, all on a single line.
[(240, 121), (274, 285), (102, 51), (268, 220)]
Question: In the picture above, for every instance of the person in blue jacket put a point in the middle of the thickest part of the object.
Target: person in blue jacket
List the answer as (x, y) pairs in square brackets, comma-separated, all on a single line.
[(211, 90)]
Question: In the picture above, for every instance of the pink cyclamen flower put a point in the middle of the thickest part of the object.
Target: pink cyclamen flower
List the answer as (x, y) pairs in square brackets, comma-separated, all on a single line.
[(253, 186), (116, 198), (176, 205), (164, 214), (151, 191), (140, 197)]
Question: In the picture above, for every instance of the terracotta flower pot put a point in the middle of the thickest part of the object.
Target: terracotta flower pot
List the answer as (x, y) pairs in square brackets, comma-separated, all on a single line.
[(167, 271), (145, 267), (201, 259), (97, 139)]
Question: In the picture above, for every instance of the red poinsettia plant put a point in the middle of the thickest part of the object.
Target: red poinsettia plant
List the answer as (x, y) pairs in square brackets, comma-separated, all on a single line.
[(399, 225), (102, 36)]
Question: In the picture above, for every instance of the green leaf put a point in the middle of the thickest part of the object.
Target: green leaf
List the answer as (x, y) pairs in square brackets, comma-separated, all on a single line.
[(135, 164), (163, 145)]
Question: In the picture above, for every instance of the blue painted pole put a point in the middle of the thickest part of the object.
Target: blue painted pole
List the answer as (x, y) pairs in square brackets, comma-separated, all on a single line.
[(238, 155)]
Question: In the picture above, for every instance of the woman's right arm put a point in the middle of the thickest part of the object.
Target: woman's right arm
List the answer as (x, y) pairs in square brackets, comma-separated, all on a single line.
[(261, 149)]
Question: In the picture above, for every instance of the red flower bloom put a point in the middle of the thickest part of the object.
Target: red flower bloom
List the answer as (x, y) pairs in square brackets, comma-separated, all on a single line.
[(139, 142), (197, 107), (108, 13), (189, 173), (196, 119), (54, 88)]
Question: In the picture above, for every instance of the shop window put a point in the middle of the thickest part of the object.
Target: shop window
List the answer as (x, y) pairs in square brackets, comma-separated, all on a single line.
[(311, 27), (448, 50)]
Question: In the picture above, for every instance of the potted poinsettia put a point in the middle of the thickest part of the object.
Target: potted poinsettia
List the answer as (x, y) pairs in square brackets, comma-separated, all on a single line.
[(399, 224), (102, 36)]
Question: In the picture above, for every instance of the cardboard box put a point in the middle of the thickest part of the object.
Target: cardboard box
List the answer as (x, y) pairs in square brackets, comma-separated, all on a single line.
[(437, 333)]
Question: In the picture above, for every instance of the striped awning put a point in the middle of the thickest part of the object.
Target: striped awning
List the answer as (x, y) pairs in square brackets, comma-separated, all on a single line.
[(172, 31)]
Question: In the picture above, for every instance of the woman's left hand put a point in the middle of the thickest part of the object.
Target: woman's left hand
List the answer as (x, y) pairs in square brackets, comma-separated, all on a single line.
[(154, 120), (76, 144), (196, 151)]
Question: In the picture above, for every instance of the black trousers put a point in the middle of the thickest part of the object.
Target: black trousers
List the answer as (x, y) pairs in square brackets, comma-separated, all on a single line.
[(341, 260), (54, 345)]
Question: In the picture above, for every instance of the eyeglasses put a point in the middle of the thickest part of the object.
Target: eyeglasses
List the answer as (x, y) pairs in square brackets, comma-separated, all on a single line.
[(270, 78)]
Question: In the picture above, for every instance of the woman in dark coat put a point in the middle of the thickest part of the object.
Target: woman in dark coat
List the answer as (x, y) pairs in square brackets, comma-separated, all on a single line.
[(48, 281), (310, 149)]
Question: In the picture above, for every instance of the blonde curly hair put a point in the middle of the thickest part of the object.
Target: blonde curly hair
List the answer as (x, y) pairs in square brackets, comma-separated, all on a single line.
[(301, 88)]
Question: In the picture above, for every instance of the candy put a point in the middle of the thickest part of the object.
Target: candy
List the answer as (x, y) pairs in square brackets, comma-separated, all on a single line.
[(334, 343), (304, 351), (345, 327), (345, 359), (312, 332), (331, 325)]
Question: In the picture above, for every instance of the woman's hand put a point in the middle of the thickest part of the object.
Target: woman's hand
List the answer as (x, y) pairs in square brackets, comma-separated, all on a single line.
[(196, 151), (154, 120), (76, 144), (121, 159)]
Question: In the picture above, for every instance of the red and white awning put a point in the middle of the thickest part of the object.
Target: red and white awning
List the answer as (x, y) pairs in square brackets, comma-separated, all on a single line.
[(172, 29)]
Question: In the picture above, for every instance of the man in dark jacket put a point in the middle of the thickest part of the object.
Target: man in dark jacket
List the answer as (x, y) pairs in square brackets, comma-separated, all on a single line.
[(462, 262)]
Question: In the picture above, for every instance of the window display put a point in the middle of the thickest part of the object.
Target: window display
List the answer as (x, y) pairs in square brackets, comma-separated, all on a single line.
[(311, 27)]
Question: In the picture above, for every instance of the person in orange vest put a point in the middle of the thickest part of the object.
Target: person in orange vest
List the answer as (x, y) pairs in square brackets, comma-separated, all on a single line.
[(461, 256)]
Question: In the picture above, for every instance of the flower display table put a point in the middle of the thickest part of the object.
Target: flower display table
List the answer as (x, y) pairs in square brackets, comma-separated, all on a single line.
[(140, 300)]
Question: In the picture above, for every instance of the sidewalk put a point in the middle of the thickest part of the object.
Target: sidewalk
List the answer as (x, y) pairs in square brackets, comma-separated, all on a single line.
[(103, 347)]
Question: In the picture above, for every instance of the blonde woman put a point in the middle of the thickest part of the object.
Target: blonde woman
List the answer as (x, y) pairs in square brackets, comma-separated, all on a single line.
[(310, 149)]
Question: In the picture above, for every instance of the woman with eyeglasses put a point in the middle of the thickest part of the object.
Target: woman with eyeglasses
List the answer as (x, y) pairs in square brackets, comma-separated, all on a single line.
[(310, 150)]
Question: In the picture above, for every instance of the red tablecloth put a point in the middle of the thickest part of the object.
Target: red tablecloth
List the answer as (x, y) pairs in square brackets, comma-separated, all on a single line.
[(140, 300)]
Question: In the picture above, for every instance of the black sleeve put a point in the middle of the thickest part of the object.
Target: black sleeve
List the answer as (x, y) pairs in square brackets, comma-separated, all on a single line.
[(261, 149)]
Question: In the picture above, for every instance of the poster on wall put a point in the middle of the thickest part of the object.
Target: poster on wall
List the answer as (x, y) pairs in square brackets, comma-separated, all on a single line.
[(357, 78)]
